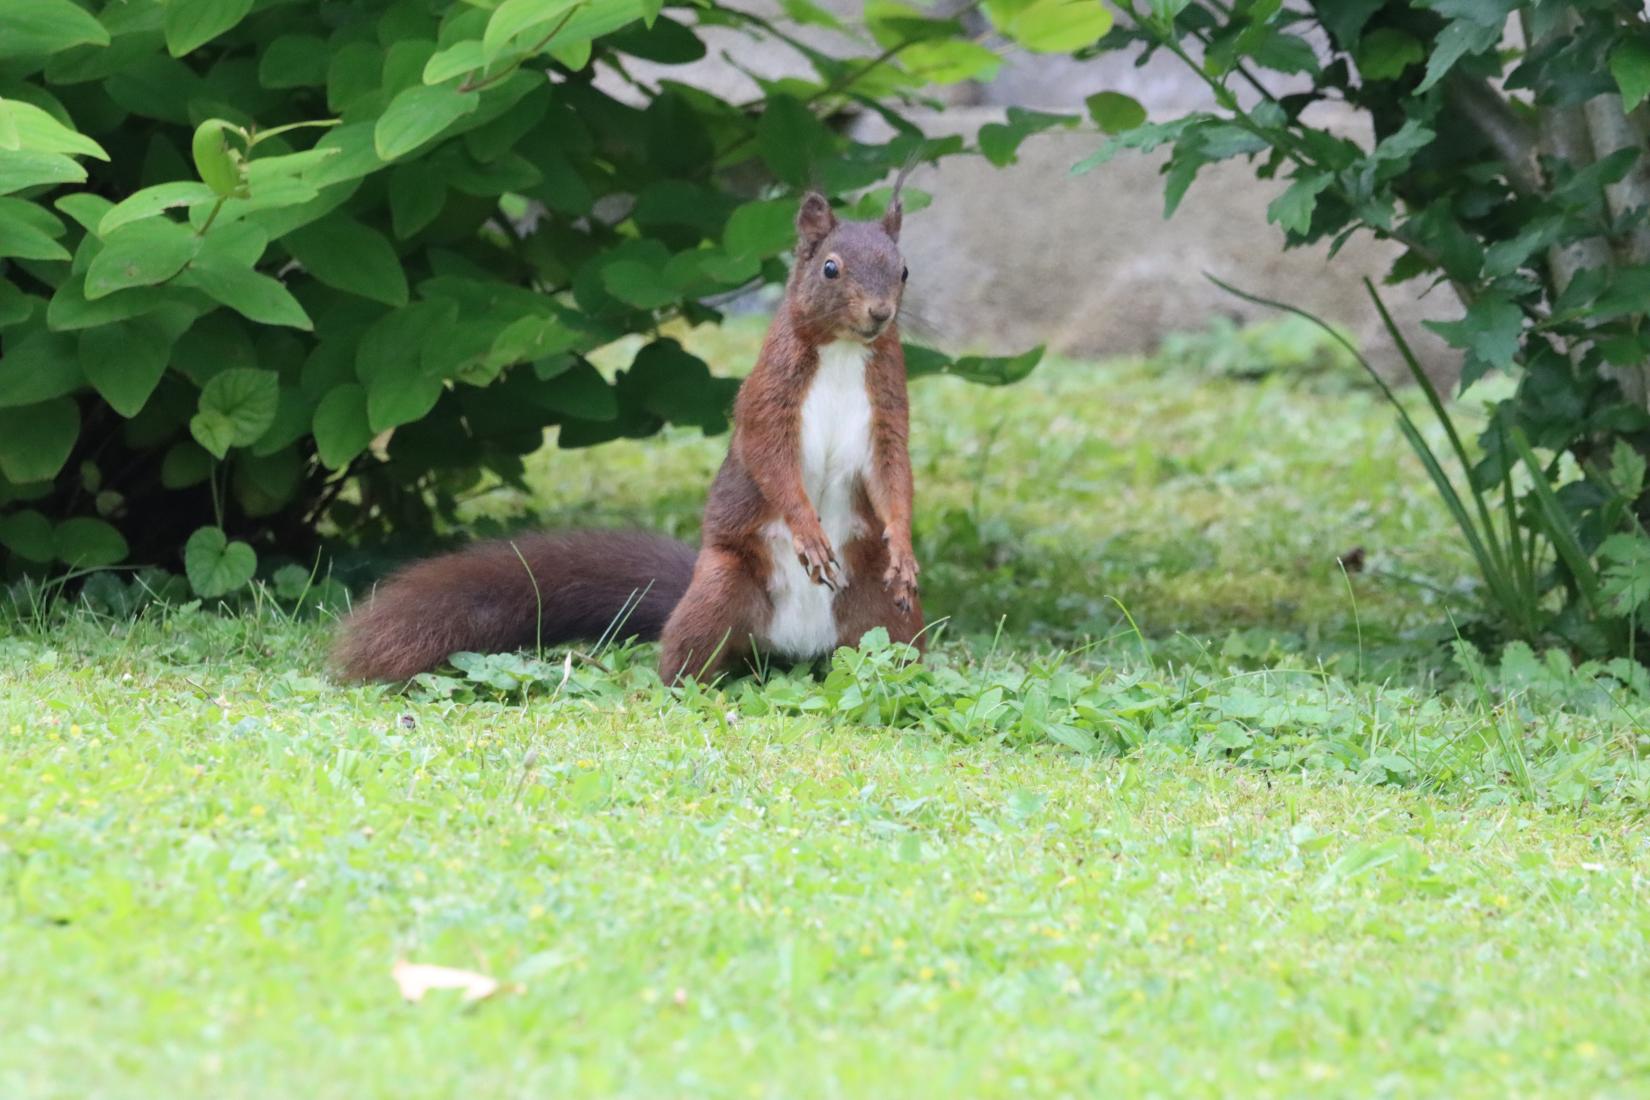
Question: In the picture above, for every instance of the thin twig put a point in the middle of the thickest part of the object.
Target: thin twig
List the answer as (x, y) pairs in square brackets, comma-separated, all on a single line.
[(1490, 115), (532, 50)]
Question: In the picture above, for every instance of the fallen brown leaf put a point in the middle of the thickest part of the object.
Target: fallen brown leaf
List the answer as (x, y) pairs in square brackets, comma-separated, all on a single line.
[(417, 979)]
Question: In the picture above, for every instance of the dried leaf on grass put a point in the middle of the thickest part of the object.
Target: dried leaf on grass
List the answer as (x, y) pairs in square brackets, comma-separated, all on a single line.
[(417, 979)]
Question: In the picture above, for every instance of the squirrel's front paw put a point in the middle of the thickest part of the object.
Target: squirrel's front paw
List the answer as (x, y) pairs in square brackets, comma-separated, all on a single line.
[(901, 576), (814, 551)]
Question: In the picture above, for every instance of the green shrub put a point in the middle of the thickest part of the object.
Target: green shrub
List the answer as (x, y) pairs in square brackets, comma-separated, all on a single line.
[(1508, 162), (269, 264)]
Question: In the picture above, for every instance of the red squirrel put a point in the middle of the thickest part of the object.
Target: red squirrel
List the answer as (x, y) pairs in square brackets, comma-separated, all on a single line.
[(806, 541)]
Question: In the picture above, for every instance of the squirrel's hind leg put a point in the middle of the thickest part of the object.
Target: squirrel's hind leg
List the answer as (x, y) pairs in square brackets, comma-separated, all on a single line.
[(866, 604), (710, 630)]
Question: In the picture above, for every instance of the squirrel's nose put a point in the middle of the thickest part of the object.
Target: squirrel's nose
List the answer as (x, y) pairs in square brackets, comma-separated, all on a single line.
[(880, 314)]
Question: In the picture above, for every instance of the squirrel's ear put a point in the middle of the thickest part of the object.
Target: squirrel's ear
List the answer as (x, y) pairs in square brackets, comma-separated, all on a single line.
[(892, 217), (814, 221)]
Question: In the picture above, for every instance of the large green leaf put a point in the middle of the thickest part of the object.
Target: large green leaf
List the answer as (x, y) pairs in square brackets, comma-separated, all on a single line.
[(997, 370), (143, 253), (1000, 141), (124, 360), (1052, 26), (1114, 112), (42, 27), (640, 284), (186, 463), (35, 440), (85, 208), (253, 295), (263, 484), (236, 407), (70, 309), (1630, 65), (213, 430), (418, 114), (763, 228), (394, 346), (989, 370), (16, 307), (677, 386), (293, 414), (193, 23), (37, 368), (390, 363), (218, 162), (580, 392), (28, 129), (1489, 333), (348, 256), (1459, 38), (944, 61), (1384, 53), (28, 232), (152, 201), (1292, 210), (456, 60), (88, 543), (216, 566), (516, 16), (341, 427), (28, 534), (21, 170), (792, 141), (416, 198), (392, 402), (294, 61)]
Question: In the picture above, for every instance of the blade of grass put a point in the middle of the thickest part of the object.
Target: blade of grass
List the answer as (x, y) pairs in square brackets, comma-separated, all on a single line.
[(1484, 545), (1441, 414), (1557, 524), (1521, 554)]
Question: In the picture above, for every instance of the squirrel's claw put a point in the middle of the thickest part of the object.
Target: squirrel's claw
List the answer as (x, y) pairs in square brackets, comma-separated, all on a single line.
[(901, 577), (819, 562), (825, 573)]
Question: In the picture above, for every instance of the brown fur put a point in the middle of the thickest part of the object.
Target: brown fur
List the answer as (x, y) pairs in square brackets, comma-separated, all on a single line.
[(487, 599), (483, 599)]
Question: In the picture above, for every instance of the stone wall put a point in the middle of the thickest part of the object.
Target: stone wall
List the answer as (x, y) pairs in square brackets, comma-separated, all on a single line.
[(1030, 253), (1006, 258)]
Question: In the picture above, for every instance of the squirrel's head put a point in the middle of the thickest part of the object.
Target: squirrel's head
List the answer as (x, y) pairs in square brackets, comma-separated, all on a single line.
[(849, 276)]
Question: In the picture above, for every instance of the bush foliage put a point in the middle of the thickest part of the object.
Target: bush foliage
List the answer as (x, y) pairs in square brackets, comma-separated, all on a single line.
[(267, 264), (1509, 163)]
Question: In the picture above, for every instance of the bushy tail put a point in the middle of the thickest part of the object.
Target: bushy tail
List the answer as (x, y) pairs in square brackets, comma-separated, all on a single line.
[(510, 593)]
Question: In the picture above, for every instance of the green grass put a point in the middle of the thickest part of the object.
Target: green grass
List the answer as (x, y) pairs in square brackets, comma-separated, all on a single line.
[(1287, 839)]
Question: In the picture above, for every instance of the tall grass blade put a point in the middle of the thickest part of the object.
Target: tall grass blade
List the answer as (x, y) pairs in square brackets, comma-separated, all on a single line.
[(1484, 543), (1557, 526), (1441, 414)]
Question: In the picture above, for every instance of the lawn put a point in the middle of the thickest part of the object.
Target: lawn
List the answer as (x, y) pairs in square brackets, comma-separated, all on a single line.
[(1179, 806)]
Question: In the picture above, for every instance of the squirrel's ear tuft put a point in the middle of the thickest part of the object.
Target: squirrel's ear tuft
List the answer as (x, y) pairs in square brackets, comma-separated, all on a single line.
[(892, 217), (814, 221)]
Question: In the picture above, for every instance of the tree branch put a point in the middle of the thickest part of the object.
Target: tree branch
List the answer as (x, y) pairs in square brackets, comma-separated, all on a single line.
[(1479, 104), (1611, 131), (1564, 134)]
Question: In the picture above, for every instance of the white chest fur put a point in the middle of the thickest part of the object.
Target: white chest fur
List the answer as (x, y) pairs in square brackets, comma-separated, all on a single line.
[(836, 453)]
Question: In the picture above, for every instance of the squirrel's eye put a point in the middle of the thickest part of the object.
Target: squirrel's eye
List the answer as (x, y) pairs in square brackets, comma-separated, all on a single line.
[(904, 274), (831, 269)]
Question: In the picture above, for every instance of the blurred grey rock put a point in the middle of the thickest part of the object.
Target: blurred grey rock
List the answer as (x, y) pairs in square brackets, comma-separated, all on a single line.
[(1011, 257), (1007, 258)]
